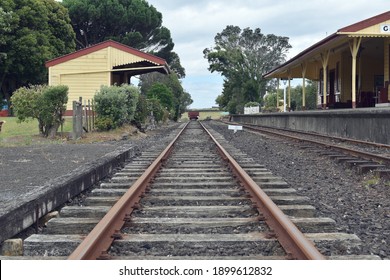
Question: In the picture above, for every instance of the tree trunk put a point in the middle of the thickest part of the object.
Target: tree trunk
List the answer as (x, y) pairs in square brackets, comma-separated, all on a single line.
[(52, 131)]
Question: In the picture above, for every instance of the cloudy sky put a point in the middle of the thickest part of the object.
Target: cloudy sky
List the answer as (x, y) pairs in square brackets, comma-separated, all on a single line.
[(194, 24)]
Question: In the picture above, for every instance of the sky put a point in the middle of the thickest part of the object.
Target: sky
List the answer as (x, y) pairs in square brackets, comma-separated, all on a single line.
[(194, 24)]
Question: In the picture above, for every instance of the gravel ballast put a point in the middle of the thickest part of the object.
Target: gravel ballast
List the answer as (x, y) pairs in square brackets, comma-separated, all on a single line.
[(359, 204)]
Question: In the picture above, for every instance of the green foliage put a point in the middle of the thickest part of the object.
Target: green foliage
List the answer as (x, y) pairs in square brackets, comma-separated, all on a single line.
[(117, 104), (46, 104), (142, 111), (311, 96), (131, 22), (25, 102), (132, 94), (296, 98), (181, 99), (252, 104), (104, 123), (243, 57), (157, 109), (149, 107), (32, 32), (111, 104), (163, 94)]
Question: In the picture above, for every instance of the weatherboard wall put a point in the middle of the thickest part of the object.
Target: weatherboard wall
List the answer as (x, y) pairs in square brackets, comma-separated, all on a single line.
[(84, 75)]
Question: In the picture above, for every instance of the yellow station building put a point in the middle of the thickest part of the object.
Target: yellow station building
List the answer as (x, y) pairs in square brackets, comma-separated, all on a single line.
[(351, 65), (106, 63)]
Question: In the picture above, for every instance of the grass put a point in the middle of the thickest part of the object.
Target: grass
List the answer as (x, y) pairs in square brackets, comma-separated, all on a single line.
[(27, 133), (371, 182), (14, 133)]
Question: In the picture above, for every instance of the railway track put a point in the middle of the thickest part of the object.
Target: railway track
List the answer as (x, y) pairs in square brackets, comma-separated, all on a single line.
[(362, 155), (195, 204)]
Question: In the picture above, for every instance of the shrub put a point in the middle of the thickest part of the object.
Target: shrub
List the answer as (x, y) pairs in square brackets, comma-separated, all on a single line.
[(142, 112), (104, 123), (155, 106), (117, 104), (252, 104), (47, 104)]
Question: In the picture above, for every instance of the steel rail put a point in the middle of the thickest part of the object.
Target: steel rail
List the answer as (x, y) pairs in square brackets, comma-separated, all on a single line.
[(361, 154), (290, 237), (99, 240), (342, 139)]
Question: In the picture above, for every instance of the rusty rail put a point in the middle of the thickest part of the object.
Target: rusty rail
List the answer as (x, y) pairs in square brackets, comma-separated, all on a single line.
[(99, 240), (365, 155), (289, 236)]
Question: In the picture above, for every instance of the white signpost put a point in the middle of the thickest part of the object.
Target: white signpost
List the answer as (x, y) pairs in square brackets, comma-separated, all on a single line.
[(235, 127)]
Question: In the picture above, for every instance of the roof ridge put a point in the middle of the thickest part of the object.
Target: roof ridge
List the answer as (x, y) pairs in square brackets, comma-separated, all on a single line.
[(102, 45), (366, 23)]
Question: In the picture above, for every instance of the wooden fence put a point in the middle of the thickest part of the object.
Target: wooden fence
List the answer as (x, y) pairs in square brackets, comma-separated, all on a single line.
[(83, 117)]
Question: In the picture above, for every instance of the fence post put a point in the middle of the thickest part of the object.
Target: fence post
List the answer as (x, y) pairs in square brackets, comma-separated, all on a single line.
[(89, 116), (93, 114), (85, 113), (77, 120)]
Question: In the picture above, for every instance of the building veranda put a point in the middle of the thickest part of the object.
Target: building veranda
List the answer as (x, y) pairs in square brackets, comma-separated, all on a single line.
[(352, 65)]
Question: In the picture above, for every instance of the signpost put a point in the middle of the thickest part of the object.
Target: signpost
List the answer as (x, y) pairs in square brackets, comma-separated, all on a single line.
[(235, 127)]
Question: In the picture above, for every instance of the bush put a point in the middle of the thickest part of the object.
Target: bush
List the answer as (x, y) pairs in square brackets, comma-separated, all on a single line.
[(252, 104), (155, 106), (117, 104), (142, 112), (104, 123), (47, 104), (132, 94)]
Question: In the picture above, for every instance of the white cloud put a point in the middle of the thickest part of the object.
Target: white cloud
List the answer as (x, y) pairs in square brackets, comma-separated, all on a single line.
[(194, 24)]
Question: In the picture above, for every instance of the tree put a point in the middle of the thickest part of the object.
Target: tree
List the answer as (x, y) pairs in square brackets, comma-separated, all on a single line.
[(131, 22), (311, 96), (162, 93), (46, 104), (181, 99), (32, 32), (243, 57)]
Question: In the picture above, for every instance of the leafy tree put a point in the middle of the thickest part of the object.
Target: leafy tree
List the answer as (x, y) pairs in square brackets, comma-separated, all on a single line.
[(181, 99), (46, 104), (243, 57), (162, 93), (131, 22), (311, 96), (31, 32), (270, 102)]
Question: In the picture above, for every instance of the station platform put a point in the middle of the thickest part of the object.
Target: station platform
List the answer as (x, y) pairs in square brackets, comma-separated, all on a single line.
[(367, 124), (35, 180)]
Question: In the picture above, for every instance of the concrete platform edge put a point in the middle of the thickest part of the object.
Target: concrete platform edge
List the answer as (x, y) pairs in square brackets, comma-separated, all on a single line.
[(20, 213)]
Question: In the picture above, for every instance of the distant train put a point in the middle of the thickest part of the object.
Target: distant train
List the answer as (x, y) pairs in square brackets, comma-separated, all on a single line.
[(193, 115)]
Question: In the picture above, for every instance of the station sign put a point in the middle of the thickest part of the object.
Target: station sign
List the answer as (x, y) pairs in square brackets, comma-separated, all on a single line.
[(235, 127), (385, 28)]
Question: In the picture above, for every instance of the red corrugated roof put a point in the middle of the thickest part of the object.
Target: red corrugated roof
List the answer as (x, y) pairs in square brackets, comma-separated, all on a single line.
[(366, 23), (102, 45)]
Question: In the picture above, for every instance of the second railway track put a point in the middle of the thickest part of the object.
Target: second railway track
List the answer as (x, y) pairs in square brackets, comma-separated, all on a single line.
[(195, 207)]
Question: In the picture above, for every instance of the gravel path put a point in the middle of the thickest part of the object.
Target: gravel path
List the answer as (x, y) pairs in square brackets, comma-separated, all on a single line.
[(337, 193)]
